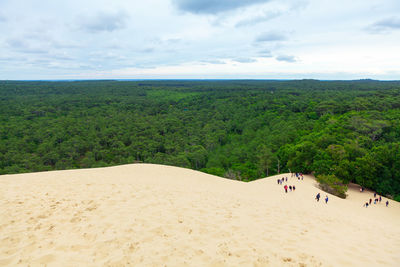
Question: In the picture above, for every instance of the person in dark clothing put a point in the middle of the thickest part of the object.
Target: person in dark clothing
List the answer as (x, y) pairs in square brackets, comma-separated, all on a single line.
[(366, 204), (387, 203), (370, 201), (294, 188), (326, 199), (290, 187), (318, 196), (380, 199), (374, 195)]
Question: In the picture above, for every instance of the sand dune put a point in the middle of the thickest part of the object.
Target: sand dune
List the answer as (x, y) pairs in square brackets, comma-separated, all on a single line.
[(152, 215)]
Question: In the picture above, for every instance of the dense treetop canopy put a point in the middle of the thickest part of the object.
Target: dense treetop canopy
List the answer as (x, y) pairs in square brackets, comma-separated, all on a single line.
[(345, 130)]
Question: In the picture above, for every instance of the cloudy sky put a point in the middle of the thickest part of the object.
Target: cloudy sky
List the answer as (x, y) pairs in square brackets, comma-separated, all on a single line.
[(260, 39)]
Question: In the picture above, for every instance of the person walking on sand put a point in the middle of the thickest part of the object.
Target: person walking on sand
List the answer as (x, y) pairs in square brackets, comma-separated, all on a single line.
[(370, 201), (317, 197), (290, 188), (387, 203), (366, 204), (326, 199), (285, 188), (380, 199), (294, 188)]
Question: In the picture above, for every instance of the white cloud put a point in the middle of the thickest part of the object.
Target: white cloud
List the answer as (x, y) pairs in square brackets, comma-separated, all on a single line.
[(216, 39), (103, 21)]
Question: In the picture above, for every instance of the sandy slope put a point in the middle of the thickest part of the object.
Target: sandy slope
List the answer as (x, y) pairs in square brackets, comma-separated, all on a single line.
[(152, 215)]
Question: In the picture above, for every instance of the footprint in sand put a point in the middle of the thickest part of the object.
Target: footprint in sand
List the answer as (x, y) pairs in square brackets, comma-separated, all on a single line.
[(75, 219), (92, 207), (287, 259), (261, 261), (46, 259)]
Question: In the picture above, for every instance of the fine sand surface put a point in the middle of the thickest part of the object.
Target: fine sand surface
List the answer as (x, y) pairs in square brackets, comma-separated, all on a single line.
[(153, 215)]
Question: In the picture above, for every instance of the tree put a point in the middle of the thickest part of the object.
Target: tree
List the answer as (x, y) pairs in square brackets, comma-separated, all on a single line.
[(265, 157)]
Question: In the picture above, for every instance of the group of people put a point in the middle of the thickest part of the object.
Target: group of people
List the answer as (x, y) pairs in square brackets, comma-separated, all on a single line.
[(318, 196), (280, 181), (293, 188), (290, 187), (286, 187), (299, 175), (377, 200)]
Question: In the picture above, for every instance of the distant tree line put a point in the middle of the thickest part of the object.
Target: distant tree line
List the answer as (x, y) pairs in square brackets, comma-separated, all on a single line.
[(346, 131)]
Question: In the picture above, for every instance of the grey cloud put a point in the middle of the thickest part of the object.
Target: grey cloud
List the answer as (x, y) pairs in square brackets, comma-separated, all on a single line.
[(286, 58), (62, 57), (36, 41), (384, 25), (270, 37), (148, 50), (104, 22), (9, 58), (50, 63), (299, 4), (172, 40), (212, 61), (258, 19), (213, 6), (16, 43), (65, 44), (244, 60), (265, 53), (161, 42), (24, 47)]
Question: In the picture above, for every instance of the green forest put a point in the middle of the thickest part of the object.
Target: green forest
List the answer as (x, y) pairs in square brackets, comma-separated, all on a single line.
[(341, 131)]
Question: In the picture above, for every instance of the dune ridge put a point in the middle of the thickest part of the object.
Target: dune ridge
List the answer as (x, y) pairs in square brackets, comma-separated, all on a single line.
[(154, 215)]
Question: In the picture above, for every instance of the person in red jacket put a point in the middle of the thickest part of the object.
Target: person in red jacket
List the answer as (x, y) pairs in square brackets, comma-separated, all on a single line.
[(285, 188)]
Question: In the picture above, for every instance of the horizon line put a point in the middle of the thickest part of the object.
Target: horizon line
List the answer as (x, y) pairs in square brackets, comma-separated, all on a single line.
[(195, 79)]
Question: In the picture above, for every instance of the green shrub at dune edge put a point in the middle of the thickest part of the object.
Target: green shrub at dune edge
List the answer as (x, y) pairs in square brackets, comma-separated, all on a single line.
[(332, 185), (238, 129)]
